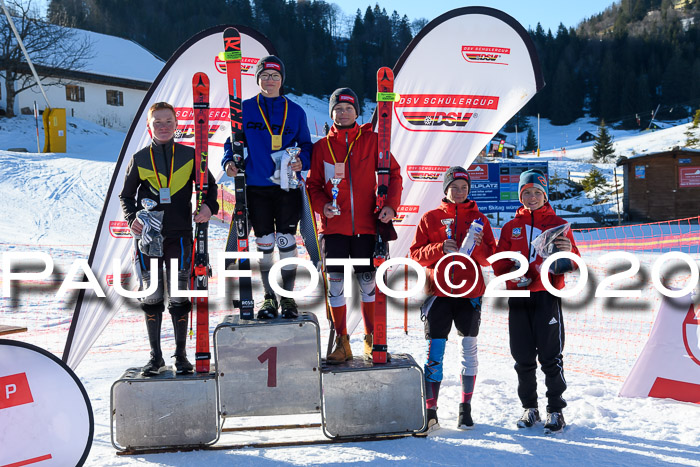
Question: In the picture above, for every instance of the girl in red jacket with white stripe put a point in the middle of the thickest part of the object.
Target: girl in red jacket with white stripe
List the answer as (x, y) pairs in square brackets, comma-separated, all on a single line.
[(440, 233), (349, 155), (535, 323)]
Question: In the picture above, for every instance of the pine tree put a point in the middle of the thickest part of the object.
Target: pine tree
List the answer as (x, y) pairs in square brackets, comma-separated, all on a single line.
[(594, 182), (603, 148), (691, 134), (531, 141)]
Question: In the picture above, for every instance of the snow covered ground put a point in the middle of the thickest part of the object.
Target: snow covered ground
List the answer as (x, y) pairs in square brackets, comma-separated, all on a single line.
[(53, 201)]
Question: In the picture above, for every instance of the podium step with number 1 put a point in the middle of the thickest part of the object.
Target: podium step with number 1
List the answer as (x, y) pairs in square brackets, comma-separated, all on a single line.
[(268, 367)]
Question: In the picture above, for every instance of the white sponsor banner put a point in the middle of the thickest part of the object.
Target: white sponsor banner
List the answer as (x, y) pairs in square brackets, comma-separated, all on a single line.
[(669, 365), (173, 85), (45, 414), (460, 80)]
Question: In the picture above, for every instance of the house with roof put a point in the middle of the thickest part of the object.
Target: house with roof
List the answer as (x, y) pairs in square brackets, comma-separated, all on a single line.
[(585, 137), (662, 185), (107, 90)]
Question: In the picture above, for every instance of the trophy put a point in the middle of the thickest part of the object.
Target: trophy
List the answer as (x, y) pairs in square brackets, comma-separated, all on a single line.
[(148, 204), (522, 281), (151, 239), (334, 192), (448, 227), (293, 180)]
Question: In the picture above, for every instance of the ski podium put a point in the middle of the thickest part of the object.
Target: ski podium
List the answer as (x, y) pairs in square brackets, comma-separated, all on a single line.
[(262, 369)]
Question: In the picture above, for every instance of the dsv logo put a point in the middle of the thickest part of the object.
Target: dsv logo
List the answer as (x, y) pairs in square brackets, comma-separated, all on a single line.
[(459, 119)]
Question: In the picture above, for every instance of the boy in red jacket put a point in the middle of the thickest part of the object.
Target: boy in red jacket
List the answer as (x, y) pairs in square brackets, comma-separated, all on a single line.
[(348, 156), (535, 323), (439, 233)]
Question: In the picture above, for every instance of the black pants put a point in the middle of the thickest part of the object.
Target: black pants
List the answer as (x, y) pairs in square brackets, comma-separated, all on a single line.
[(271, 209), (179, 248), (464, 312), (349, 246), (537, 333)]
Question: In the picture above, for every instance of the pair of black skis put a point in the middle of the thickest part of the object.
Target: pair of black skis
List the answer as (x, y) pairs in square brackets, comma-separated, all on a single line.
[(239, 229)]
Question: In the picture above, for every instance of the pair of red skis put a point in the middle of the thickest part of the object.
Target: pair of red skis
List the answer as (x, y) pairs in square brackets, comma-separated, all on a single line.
[(239, 224)]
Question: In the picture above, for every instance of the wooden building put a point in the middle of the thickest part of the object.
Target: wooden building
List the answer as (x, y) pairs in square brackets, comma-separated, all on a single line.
[(662, 186), (585, 137)]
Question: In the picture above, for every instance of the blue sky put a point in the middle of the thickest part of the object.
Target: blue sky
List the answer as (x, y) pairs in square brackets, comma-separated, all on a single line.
[(528, 12)]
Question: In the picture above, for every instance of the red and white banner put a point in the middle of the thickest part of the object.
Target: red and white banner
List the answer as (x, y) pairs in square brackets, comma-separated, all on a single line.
[(669, 365), (45, 414), (173, 85), (459, 81)]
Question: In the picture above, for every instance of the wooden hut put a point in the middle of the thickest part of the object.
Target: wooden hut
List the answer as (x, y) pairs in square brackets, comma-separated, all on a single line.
[(662, 186)]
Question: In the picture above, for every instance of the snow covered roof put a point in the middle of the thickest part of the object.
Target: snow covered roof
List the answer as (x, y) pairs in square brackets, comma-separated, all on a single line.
[(109, 57), (119, 58)]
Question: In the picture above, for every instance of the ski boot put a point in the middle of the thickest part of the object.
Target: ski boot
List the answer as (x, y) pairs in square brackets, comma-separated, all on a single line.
[(465, 422), (529, 418), (268, 310), (555, 423), (289, 308)]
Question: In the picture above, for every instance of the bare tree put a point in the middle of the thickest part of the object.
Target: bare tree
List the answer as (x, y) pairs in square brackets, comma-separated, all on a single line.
[(50, 47)]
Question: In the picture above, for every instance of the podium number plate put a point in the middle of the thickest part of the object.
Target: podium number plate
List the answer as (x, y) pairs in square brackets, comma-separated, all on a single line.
[(268, 367)]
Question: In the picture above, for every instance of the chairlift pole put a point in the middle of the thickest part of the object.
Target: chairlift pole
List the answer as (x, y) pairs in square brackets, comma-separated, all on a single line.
[(26, 54), (653, 116)]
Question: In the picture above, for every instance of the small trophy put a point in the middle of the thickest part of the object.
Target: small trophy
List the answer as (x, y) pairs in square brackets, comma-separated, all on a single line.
[(448, 227), (293, 180), (334, 192), (522, 281), (148, 204)]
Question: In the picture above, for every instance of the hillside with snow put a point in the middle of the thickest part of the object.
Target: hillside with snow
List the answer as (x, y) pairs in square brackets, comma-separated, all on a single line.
[(53, 203)]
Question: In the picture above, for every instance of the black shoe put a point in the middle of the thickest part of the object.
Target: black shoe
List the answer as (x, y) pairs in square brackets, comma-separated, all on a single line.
[(432, 424), (529, 418), (182, 365), (268, 310), (289, 308), (465, 422), (555, 423), (155, 366)]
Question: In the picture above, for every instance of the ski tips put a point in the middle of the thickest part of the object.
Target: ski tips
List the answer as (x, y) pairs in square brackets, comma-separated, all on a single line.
[(200, 79), (385, 74)]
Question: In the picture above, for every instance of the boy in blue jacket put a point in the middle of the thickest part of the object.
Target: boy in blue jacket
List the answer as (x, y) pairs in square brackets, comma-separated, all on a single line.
[(272, 123)]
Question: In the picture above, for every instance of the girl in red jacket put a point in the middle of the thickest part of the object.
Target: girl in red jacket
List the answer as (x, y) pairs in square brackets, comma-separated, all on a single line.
[(440, 233), (535, 323), (348, 157)]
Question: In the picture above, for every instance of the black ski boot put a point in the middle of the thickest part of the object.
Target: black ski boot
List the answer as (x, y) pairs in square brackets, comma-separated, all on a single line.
[(179, 314), (289, 308), (154, 318), (465, 422), (268, 310), (555, 423), (529, 418)]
